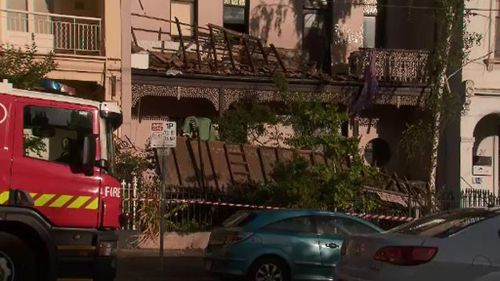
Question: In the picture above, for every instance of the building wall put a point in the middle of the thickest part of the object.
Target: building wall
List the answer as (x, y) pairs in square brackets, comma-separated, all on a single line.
[(348, 30), (151, 8), (480, 122), (388, 123), (277, 22), (485, 72), (210, 12), (126, 85), (98, 68)]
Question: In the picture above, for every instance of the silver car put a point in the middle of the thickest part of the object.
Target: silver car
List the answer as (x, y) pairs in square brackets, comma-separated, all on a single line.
[(460, 245)]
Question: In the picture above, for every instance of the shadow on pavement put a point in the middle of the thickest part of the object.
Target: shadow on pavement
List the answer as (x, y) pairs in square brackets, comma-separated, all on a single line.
[(147, 267)]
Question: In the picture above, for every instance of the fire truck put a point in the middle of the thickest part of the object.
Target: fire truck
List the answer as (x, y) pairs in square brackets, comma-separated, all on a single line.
[(59, 202)]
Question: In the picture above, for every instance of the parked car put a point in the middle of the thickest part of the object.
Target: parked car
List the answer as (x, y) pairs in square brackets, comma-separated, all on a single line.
[(460, 245), (281, 245)]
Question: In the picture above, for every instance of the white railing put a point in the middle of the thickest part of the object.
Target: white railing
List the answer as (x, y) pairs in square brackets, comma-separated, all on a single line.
[(130, 201), (70, 33)]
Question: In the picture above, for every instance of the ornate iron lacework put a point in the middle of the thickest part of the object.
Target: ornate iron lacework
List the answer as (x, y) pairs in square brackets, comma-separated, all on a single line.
[(223, 98)]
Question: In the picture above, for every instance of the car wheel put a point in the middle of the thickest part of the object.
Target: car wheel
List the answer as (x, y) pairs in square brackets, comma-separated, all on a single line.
[(269, 269), (17, 260)]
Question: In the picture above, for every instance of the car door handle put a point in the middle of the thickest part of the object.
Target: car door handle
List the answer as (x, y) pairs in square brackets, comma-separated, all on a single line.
[(331, 245)]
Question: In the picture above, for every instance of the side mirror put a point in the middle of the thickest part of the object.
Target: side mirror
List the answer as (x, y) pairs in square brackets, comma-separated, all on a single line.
[(89, 151)]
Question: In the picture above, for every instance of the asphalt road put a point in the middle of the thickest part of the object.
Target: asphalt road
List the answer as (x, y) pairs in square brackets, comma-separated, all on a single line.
[(146, 266)]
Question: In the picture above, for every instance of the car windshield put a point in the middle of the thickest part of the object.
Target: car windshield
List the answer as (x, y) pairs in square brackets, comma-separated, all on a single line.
[(445, 224)]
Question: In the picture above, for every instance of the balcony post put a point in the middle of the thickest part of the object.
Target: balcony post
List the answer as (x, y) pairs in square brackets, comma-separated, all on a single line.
[(74, 36)]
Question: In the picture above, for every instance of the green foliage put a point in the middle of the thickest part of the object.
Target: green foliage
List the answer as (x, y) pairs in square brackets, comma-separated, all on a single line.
[(442, 105), (296, 184), (22, 67), (247, 118), (34, 144), (130, 163)]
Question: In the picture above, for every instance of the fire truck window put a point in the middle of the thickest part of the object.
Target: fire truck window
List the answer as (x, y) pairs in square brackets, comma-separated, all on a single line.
[(55, 134)]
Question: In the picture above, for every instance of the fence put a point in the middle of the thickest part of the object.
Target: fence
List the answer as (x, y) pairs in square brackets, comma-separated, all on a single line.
[(130, 201), (191, 209), (62, 33), (469, 198), (187, 209)]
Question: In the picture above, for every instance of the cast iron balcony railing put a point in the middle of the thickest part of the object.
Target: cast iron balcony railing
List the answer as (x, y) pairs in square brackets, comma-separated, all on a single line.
[(392, 65)]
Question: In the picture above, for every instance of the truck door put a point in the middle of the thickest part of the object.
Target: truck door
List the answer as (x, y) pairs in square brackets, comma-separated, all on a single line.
[(5, 146), (48, 140)]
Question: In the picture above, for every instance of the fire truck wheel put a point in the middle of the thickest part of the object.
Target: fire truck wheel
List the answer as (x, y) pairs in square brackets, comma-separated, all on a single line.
[(17, 260)]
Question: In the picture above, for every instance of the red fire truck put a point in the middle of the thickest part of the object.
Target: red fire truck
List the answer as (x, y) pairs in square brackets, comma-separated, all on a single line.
[(59, 201)]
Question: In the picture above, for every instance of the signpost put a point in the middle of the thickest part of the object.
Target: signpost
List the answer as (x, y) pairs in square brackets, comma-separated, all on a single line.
[(163, 138)]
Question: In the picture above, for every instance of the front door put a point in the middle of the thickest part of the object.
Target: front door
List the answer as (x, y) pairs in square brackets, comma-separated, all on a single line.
[(48, 139)]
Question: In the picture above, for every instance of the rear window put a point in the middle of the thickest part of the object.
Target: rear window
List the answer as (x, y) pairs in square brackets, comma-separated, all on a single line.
[(240, 219), (444, 224)]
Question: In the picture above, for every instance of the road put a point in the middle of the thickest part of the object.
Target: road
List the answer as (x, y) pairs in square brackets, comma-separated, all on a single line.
[(142, 266)]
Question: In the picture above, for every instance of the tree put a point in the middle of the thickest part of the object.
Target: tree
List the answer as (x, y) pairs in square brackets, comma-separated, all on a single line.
[(22, 67), (336, 184), (442, 104)]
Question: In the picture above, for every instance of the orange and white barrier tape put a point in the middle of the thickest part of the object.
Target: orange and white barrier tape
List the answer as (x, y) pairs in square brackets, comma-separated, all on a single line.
[(256, 207)]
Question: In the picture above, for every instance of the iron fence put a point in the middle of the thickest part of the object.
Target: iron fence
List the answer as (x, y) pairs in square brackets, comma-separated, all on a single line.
[(191, 209), (469, 198), (181, 213)]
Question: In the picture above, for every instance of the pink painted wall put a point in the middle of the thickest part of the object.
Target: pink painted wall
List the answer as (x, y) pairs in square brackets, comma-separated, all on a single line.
[(278, 22), (210, 11), (152, 8), (348, 30)]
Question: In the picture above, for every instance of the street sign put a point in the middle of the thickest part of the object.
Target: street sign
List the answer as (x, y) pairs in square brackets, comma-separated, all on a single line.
[(163, 135)]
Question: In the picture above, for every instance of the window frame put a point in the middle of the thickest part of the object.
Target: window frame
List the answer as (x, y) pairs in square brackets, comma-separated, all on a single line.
[(172, 19), (496, 48), (246, 15), (50, 106)]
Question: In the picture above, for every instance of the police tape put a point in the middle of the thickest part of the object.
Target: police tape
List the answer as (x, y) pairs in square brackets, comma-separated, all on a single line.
[(381, 217), (258, 207)]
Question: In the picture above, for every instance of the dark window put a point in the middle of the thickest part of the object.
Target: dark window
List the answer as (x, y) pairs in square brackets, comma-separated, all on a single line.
[(377, 152), (342, 226), (497, 31), (296, 225), (446, 223), (236, 15), (317, 34), (55, 134)]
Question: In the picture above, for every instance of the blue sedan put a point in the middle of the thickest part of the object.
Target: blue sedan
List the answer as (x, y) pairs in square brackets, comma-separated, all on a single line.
[(281, 245)]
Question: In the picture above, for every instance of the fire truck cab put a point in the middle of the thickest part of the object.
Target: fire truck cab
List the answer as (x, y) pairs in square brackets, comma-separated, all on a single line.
[(59, 201)]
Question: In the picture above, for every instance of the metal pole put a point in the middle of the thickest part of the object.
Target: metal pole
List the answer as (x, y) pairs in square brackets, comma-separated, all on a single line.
[(161, 159)]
